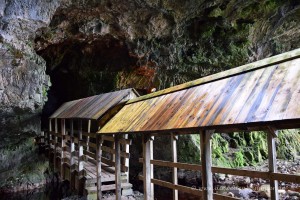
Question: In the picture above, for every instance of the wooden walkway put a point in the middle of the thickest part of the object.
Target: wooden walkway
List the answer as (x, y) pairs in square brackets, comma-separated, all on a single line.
[(90, 175), (89, 163)]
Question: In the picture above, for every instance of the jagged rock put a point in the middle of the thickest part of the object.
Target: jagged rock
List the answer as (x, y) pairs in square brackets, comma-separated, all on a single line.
[(23, 92), (264, 191)]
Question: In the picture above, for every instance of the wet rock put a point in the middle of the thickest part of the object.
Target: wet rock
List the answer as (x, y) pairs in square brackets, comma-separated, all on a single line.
[(264, 191), (282, 192), (230, 194), (242, 181), (293, 193), (293, 198), (245, 193), (221, 177)]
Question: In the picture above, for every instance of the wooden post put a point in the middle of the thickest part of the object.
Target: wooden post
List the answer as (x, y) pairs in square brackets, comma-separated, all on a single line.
[(113, 147), (63, 144), (50, 138), (46, 140), (118, 167), (272, 134), (80, 155), (147, 168), (174, 139), (72, 152), (55, 143), (88, 137), (126, 160), (151, 165), (206, 164), (98, 159)]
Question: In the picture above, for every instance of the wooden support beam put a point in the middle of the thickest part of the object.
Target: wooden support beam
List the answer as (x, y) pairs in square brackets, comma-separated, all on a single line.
[(98, 159), (272, 133), (163, 163), (72, 152), (62, 152), (126, 160), (147, 167), (174, 139), (80, 156), (271, 130), (118, 167), (151, 165), (206, 164), (55, 143), (182, 188), (88, 137), (113, 147)]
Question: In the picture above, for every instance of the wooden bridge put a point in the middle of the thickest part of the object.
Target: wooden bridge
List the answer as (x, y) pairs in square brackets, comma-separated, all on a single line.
[(261, 96), (90, 162)]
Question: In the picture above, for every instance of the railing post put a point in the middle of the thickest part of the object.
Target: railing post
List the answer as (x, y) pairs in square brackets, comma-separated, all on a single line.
[(88, 137), (98, 159), (113, 158), (147, 172), (55, 143), (50, 139), (63, 144), (126, 160), (72, 152), (174, 139), (46, 140), (272, 134), (80, 155), (152, 166), (118, 167), (206, 164)]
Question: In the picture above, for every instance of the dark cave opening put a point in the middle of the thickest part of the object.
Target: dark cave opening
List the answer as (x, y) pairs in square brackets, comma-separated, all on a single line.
[(80, 68)]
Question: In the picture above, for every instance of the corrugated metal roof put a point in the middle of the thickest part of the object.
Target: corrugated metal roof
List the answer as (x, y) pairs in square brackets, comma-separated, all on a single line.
[(95, 106), (265, 94)]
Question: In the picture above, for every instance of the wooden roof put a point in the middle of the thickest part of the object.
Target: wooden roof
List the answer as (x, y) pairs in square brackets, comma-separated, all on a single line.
[(264, 92), (95, 106)]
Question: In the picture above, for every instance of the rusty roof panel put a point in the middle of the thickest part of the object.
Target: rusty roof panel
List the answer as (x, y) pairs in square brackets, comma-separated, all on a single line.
[(95, 106), (266, 94)]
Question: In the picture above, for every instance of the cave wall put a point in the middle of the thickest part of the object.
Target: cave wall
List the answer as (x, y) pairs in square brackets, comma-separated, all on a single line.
[(86, 47), (23, 91)]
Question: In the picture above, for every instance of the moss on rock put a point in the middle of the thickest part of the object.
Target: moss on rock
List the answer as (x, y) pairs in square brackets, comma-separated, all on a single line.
[(239, 159), (240, 149)]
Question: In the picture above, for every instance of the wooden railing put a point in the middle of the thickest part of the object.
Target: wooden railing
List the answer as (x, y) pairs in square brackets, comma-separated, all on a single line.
[(148, 162), (76, 148)]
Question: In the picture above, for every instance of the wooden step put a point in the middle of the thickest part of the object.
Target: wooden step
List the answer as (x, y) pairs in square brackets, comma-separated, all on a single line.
[(108, 187)]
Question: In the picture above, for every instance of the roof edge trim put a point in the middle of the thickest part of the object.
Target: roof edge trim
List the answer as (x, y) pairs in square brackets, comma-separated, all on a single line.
[(225, 74)]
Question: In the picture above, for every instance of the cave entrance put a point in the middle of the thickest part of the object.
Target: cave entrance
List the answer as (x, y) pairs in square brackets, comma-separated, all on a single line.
[(83, 67)]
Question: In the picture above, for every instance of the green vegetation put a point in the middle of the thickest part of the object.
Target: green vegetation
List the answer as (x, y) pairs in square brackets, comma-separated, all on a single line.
[(241, 149), (187, 151)]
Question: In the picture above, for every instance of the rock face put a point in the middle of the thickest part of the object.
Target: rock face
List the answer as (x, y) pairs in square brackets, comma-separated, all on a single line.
[(23, 90), (94, 46), (157, 44)]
